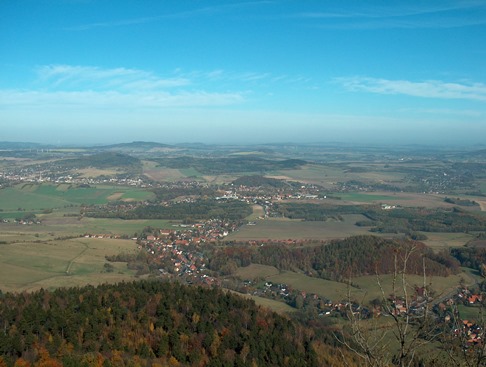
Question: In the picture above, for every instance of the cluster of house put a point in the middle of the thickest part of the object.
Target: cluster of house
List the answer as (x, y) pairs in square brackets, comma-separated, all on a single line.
[(27, 222), (471, 330), (178, 250), (33, 175), (465, 296)]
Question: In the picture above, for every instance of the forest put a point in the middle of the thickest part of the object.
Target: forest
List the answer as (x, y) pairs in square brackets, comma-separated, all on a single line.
[(149, 323), (398, 220), (230, 165), (340, 260), (187, 211)]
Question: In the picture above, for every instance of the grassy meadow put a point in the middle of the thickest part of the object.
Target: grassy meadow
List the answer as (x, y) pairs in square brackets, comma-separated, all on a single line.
[(36, 198), (282, 229), (51, 264), (362, 289)]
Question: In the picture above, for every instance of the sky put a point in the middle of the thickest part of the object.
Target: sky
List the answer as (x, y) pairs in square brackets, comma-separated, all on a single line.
[(243, 72)]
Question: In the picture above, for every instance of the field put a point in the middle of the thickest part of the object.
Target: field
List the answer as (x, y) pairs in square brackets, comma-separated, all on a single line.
[(276, 306), (281, 229), (439, 241), (156, 173), (59, 226), (332, 290), (254, 271), (51, 264), (35, 198), (329, 175), (366, 288)]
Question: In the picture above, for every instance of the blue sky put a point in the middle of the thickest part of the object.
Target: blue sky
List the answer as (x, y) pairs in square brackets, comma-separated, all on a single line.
[(106, 71)]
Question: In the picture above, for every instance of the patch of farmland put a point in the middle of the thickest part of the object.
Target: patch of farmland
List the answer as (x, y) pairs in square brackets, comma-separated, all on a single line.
[(440, 286), (439, 241), (281, 229), (29, 266), (254, 271), (334, 291)]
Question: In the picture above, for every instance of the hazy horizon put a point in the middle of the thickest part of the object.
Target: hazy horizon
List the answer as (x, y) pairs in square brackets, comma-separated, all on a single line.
[(245, 72)]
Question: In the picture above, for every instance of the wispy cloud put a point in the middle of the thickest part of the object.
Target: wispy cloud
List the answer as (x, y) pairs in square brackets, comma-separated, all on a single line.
[(426, 15), (91, 87), (68, 86), (100, 78), (426, 89), (205, 11), (112, 99)]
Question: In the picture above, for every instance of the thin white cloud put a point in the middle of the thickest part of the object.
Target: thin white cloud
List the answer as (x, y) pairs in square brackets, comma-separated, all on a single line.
[(425, 15), (206, 11), (426, 89), (446, 112), (64, 87), (12, 99), (99, 78)]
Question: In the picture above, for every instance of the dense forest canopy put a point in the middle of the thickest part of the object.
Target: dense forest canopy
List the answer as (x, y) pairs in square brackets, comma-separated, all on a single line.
[(187, 211), (153, 323), (341, 259), (230, 165)]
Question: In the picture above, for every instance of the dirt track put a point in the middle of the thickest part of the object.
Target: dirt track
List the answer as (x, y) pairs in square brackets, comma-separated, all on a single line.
[(482, 204)]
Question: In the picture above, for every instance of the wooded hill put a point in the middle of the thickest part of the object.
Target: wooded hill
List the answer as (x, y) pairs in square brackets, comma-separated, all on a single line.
[(147, 323), (187, 211), (103, 160), (399, 220), (218, 166), (341, 259)]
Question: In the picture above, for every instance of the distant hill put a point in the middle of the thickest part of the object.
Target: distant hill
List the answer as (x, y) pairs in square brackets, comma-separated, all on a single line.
[(231, 165), (9, 145), (137, 146), (478, 153), (103, 160)]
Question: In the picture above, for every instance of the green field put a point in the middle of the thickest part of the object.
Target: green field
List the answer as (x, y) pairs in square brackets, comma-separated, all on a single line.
[(332, 290), (60, 226), (51, 264), (366, 288), (122, 227), (440, 285), (366, 198), (254, 271), (281, 229), (470, 312), (33, 197), (190, 172)]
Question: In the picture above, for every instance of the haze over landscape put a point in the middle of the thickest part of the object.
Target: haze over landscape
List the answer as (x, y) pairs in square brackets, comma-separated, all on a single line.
[(75, 72)]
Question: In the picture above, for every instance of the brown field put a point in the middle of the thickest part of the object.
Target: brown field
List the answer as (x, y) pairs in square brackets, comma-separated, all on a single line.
[(220, 179), (257, 213), (276, 306), (482, 204), (439, 241), (152, 171), (95, 172), (254, 271), (328, 176), (115, 196), (406, 199), (281, 229)]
